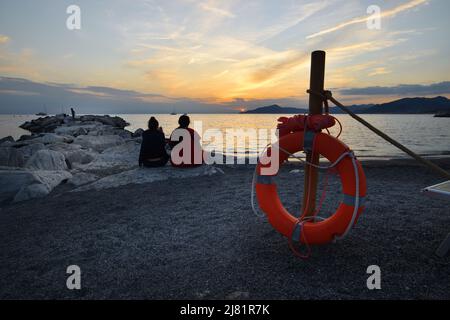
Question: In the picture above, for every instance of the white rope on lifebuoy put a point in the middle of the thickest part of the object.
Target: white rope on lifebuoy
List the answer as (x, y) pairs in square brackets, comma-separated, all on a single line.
[(335, 163)]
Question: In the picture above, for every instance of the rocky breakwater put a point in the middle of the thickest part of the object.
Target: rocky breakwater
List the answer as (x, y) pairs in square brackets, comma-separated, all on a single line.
[(59, 149), (86, 152)]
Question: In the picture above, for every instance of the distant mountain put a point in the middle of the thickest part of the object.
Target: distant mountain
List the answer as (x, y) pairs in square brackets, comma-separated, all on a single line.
[(356, 108), (275, 109), (402, 106)]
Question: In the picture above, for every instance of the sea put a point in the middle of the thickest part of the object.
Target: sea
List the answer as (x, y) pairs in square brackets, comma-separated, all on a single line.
[(424, 134)]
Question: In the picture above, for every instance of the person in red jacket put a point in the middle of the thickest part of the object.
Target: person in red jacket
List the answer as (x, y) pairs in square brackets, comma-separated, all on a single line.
[(185, 144)]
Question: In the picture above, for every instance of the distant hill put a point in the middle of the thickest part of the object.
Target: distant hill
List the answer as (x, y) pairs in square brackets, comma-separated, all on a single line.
[(412, 106), (356, 108), (401, 106), (275, 109)]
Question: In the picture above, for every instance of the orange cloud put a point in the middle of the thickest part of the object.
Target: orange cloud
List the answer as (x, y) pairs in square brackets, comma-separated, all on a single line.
[(3, 39)]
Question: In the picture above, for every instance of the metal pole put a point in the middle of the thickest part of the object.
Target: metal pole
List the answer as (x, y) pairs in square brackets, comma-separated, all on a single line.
[(316, 84)]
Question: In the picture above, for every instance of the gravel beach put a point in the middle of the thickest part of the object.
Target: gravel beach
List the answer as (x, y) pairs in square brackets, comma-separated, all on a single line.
[(197, 238)]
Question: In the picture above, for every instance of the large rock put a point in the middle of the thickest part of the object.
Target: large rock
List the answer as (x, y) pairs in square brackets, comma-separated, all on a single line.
[(51, 123), (26, 137), (44, 138), (106, 119), (106, 130), (6, 139), (46, 181), (79, 157), (99, 143), (138, 133), (11, 157), (11, 181), (147, 175), (30, 149), (125, 134), (24, 184), (122, 157), (77, 130), (36, 190), (46, 124), (82, 178), (49, 138), (74, 153), (51, 179), (47, 160)]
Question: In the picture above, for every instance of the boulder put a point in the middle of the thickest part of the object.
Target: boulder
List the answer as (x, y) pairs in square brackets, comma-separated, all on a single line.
[(48, 138), (73, 153), (82, 178), (138, 133), (63, 147), (45, 124), (51, 179), (99, 143), (79, 156), (107, 120), (26, 137), (123, 157), (147, 175), (36, 190), (6, 139), (77, 130), (11, 157), (125, 134), (11, 181), (47, 160), (24, 184), (51, 123), (30, 149)]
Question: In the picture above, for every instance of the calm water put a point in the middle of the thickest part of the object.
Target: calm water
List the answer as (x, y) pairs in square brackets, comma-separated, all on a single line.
[(422, 133)]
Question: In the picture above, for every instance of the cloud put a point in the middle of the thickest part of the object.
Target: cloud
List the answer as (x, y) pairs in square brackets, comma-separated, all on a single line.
[(363, 19), (275, 68), (3, 39), (22, 96), (403, 89), (296, 14), (379, 71), (207, 6)]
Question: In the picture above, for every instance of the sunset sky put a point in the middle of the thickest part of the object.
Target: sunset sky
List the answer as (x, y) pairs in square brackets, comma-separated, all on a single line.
[(219, 55)]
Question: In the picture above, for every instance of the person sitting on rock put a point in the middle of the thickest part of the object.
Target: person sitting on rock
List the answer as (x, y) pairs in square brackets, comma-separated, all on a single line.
[(185, 144), (153, 148)]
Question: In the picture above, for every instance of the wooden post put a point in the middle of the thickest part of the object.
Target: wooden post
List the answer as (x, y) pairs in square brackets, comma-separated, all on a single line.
[(316, 84)]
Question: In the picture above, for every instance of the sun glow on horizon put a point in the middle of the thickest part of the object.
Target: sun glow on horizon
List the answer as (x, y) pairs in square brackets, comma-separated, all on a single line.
[(220, 52)]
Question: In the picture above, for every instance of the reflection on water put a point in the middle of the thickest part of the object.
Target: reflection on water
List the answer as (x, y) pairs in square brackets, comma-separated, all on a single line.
[(421, 133)]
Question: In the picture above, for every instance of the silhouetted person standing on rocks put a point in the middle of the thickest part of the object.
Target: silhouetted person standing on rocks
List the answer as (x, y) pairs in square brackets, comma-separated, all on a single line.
[(153, 148), (73, 113)]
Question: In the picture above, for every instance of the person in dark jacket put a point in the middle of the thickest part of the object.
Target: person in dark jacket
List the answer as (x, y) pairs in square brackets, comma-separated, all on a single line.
[(153, 148)]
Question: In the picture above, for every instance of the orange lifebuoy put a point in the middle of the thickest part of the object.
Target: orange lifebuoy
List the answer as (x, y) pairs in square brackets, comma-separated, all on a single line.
[(313, 232)]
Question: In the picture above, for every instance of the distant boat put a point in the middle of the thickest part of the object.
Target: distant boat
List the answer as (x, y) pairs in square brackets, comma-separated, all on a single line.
[(173, 113)]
